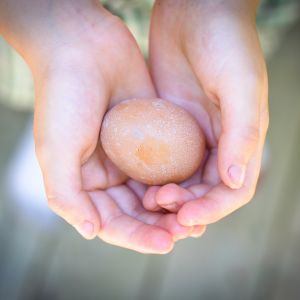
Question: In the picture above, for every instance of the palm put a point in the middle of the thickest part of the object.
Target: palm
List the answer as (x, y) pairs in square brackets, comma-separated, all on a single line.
[(124, 221), (209, 118)]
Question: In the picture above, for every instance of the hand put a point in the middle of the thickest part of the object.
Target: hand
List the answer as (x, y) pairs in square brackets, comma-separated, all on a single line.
[(83, 64), (205, 56)]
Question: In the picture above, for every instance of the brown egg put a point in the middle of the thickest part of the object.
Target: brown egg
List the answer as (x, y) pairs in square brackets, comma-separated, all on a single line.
[(152, 140)]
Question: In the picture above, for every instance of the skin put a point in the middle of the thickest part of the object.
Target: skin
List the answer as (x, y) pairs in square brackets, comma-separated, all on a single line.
[(212, 65), (83, 61)]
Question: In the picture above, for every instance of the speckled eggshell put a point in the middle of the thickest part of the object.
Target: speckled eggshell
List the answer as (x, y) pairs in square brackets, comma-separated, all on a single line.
[(152, 140)]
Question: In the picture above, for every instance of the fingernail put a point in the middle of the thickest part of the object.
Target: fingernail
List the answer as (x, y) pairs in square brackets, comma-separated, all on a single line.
[(86, 229), (199, 231), (237, 176)]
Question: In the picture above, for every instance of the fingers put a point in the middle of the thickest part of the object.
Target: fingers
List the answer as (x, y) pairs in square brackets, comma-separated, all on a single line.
[(129, 203), (171, 196), (240, 108), (64, 139), (149, 199), (126, 231), (137, 187), (215, 205), (222, 200), (167, 222)]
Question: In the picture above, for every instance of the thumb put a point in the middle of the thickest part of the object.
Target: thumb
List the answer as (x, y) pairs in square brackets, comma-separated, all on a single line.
[(240, 130), (65, 125), (65, 195)]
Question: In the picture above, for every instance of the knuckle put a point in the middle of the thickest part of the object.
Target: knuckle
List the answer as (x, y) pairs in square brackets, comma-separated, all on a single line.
[(42, 150), (251, 134), (46, 147), (57, 204), (256, 76)]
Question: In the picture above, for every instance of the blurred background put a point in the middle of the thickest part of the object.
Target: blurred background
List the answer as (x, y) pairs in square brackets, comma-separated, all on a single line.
[(252, 254)]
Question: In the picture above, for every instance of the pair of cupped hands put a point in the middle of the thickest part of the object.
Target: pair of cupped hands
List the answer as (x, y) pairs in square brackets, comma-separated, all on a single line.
[(203, 56)]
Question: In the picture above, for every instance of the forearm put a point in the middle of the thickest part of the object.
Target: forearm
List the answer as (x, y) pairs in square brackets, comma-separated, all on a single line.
[(38, 27)]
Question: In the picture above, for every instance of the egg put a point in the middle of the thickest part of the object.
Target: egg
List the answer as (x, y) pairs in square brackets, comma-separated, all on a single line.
[(152, 140)]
